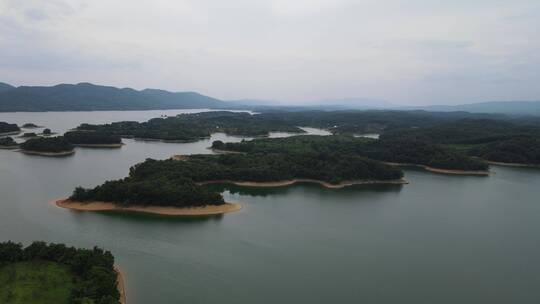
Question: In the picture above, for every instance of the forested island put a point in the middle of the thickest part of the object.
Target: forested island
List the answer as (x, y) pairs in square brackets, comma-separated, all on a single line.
[(8, 129), (192, 127), (8, 143), (181, 184), (30, 125), (406, 152), (47, 146), (93, 139), (55, 273)]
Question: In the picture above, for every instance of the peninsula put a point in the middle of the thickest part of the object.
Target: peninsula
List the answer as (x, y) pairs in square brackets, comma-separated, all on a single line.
[(178, 187)]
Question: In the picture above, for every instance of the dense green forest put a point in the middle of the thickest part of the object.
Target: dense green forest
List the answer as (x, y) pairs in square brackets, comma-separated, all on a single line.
[(7, 142), (8, 128), (47, 144), (394, 150), (519, 150), (494, 140), (91, 138), (190, 127), (174, 183), (94, 280)]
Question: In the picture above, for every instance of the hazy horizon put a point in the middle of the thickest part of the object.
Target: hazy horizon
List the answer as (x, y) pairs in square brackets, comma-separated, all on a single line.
[(415, 52)]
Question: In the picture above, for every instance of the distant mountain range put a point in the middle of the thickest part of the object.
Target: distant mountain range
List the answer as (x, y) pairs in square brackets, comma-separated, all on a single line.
[(90, 97), (501, 107)]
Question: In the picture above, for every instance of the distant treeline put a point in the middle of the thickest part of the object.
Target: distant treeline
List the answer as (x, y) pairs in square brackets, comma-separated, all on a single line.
[(93, 269), (191, 127), (175, 183)]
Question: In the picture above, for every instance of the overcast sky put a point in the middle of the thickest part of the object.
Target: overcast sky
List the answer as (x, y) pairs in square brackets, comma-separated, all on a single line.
[(403, 51)]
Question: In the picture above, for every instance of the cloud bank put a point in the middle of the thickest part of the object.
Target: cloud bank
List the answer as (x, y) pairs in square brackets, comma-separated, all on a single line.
[(408, 52)]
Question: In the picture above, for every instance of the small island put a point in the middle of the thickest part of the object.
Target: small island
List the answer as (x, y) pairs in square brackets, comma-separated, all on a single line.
[(8, 129), (93, 139), (47, 146), (30, 125), (55, 273), (8, 143)]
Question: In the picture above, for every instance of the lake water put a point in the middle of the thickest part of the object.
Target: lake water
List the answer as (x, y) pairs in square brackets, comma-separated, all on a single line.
[(440, 239)]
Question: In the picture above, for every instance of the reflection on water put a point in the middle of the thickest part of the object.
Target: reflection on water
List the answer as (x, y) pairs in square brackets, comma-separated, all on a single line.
[(315, 188)]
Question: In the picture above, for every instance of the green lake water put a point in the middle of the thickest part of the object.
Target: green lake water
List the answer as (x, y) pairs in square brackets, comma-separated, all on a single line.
[(440, 239)]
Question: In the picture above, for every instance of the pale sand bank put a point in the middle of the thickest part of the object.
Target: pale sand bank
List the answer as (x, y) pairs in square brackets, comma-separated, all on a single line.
[(9, 147), (10, 133), (300, 180), (120, 284), (171, 211), (443, 171), (512, 164), (63, 153), (218, 151)]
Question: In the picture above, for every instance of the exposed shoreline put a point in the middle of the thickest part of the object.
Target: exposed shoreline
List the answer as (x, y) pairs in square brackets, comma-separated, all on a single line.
[(158, 210), (218, 151), (305, 180), (53, 154), (10, 133), (442, 171), (9, 147), (110, 146), (120, 284), (512, 164)]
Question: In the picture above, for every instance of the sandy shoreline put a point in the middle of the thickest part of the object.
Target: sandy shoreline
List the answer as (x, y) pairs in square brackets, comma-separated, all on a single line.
[(512, 164), (300, 180), (169, 211), (442, 171), (218, 151), (10, 133), (54, 154), (120, 284), (9, 147)]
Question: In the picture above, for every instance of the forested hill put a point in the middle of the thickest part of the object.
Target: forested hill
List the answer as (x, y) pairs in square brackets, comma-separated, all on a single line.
[(90, 97), (5, 87)]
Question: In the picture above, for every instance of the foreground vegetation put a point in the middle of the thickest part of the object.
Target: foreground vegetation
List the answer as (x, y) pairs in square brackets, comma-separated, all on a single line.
[(56, 144), (54, 273), (178, 183)]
